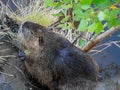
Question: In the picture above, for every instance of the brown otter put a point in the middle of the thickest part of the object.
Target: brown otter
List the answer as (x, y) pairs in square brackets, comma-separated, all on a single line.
[(54, 61)]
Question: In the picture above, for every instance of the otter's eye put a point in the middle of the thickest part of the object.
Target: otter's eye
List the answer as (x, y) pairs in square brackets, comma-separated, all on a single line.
[(41, 41)]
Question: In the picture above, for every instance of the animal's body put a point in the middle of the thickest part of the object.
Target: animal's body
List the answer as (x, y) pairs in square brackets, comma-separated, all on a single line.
[(54, 61)]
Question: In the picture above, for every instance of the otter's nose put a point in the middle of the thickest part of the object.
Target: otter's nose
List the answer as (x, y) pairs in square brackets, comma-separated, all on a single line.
[(24, 29), (31, 26), (25, 25)]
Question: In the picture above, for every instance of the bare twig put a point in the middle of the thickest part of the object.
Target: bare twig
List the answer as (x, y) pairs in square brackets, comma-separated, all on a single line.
[(2, 37), (11, 75), (7, 56), (98, 51), (2, 60), (107, 43), (4, 50), (76, 39), (105, 46), (116, 44), (93, 42)]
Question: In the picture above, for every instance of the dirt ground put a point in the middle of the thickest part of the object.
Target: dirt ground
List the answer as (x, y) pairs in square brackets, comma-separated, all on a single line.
[(10, 76)]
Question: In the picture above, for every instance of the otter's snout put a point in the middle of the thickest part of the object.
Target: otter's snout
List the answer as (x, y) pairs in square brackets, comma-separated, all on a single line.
[(24, 33), (31, 33)]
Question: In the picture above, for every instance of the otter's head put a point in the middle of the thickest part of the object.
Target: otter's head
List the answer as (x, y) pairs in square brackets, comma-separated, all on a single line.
[(31, 37), (36, 38)]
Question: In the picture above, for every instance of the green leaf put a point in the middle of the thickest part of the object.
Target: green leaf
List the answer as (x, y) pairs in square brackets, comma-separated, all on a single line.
[(83, 25), (26, 52), (81, 42), (106, 11), (101, 3), (85, 4), (99, 28), (110, 15), (48, 3), (76, 6), (111, 23), (76, 1), (95, 27), (57, 5), (78, 14), (67, 6), (65, 19), (66, 1), (107, 14), (92, 28), (64, 11), (114, 13), (101, 16), (57, 14), (64, 26), (118, 22)]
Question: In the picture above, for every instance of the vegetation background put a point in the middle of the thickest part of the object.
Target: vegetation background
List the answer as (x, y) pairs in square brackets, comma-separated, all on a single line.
[(85, 23)]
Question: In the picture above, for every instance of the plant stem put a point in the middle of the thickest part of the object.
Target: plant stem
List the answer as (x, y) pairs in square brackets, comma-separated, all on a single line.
[(93, 42)]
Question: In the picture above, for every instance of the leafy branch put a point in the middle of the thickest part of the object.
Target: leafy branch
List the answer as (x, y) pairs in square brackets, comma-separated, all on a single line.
[(97, 17), (93, 42)]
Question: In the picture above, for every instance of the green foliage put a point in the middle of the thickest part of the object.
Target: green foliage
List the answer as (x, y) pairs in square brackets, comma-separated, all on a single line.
[(85, 4), (101, 16), (48, 3), (35, 12), (88, 13), (26, 52), (118, 35), (83, 25), (81, 42), (41, 18)]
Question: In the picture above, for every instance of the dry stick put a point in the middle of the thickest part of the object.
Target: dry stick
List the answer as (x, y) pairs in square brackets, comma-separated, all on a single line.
[(7, 56), (93, 42), (102, 50), (106, 45), (17, 20), (7, 74), (1, 43), (4, 50), (117, 45), (76, 39)]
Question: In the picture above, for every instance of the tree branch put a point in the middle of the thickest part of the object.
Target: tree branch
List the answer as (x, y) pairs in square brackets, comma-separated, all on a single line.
[(93, 42)]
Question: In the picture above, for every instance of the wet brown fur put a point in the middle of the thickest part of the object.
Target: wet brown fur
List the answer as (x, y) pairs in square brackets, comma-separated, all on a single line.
[(54, 61)]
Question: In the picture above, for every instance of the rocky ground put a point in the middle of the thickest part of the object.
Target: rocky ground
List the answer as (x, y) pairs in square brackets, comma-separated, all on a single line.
[(11, 77)]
